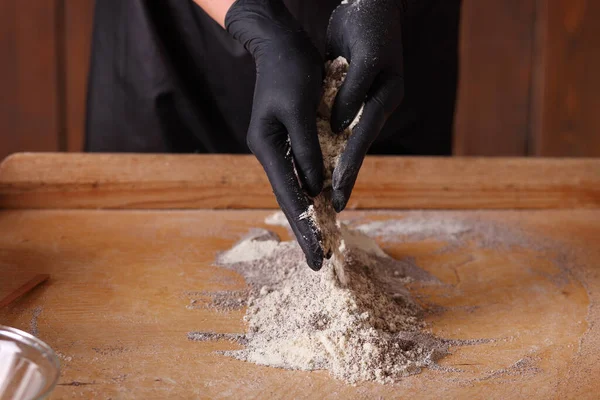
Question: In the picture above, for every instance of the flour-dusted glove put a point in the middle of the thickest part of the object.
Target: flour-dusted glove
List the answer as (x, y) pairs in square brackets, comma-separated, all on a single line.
[(368, 34), (283, 131)]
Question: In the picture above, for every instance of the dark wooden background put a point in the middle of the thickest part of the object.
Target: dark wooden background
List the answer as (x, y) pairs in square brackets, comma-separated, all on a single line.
[(529, 80)]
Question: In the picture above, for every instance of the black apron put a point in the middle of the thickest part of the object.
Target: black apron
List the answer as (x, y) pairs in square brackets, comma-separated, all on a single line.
[(165, 77)]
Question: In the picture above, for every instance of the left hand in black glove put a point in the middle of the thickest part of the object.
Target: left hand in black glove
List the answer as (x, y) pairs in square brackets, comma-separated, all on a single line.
[(368, 34)]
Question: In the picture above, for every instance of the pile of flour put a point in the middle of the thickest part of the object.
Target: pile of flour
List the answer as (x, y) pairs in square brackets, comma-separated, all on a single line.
[(368, 329)]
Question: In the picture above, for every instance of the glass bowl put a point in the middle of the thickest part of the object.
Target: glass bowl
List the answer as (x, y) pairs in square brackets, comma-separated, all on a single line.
[(29, 368)]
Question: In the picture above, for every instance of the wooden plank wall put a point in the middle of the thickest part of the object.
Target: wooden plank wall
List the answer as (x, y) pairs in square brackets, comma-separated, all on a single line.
[(492, 116), (528, 82), (30, 106), (567, 118), (44, 53), (78, 34), (528, 78)]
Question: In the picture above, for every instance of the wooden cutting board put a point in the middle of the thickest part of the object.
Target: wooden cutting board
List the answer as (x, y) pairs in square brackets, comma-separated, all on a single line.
[(125, 283)]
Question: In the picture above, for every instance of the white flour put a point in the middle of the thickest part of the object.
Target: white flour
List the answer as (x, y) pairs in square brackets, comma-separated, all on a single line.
[(277, 219), (369, 329), (414, 226), (258, 250)]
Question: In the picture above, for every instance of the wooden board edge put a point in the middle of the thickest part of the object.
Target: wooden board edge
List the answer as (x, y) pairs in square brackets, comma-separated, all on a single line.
[(137, 181)]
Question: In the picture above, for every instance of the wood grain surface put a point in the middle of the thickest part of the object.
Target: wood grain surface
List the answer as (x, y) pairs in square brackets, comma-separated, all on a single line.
[(91, 181), (119, 305)]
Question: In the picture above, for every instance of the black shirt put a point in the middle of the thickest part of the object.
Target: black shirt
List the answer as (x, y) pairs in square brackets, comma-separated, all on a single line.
[(165, 77)]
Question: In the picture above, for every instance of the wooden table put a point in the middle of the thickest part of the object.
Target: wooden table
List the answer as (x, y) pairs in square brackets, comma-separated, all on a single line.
[(129, 241)]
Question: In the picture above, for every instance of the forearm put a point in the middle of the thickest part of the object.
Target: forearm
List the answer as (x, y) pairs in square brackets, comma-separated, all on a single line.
[(217, 9)]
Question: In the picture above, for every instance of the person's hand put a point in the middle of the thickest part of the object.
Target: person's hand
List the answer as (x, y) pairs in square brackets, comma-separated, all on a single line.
[(283, 132), (368, 34)]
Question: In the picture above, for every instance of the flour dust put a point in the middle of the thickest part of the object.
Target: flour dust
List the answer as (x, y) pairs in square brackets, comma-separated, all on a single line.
[(369, 329)]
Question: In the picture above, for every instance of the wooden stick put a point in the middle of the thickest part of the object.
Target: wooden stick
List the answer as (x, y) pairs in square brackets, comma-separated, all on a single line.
[(25, 288)]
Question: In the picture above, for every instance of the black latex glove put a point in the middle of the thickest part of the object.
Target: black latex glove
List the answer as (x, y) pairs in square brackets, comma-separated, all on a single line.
[(368, 34), (283, 131)]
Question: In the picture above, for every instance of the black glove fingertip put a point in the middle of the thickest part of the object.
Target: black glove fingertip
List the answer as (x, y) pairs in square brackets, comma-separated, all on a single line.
[(339, 200), (312, 181), (315, 262), (340, 117), (310, 242)]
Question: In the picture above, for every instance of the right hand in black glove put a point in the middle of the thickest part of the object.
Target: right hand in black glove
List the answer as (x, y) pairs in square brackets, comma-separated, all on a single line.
[(283, 131), (368, 33)]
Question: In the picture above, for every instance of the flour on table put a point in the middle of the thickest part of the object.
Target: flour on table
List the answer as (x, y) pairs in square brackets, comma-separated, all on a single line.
[(371, 329), (415, 226), (368, 329), (277, 219), (249, 250)]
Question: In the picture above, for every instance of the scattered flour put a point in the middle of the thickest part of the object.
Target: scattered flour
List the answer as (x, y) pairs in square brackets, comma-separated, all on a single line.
[(415, 226), (255, 250), (369, 329), (204, 336), (222, 301), (33, 324), (277, 219)]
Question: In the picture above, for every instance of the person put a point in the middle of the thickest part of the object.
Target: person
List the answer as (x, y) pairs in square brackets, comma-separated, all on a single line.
[(225, 76)]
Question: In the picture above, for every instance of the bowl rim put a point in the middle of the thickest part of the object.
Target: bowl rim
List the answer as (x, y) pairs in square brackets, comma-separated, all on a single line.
[(39, 345)]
